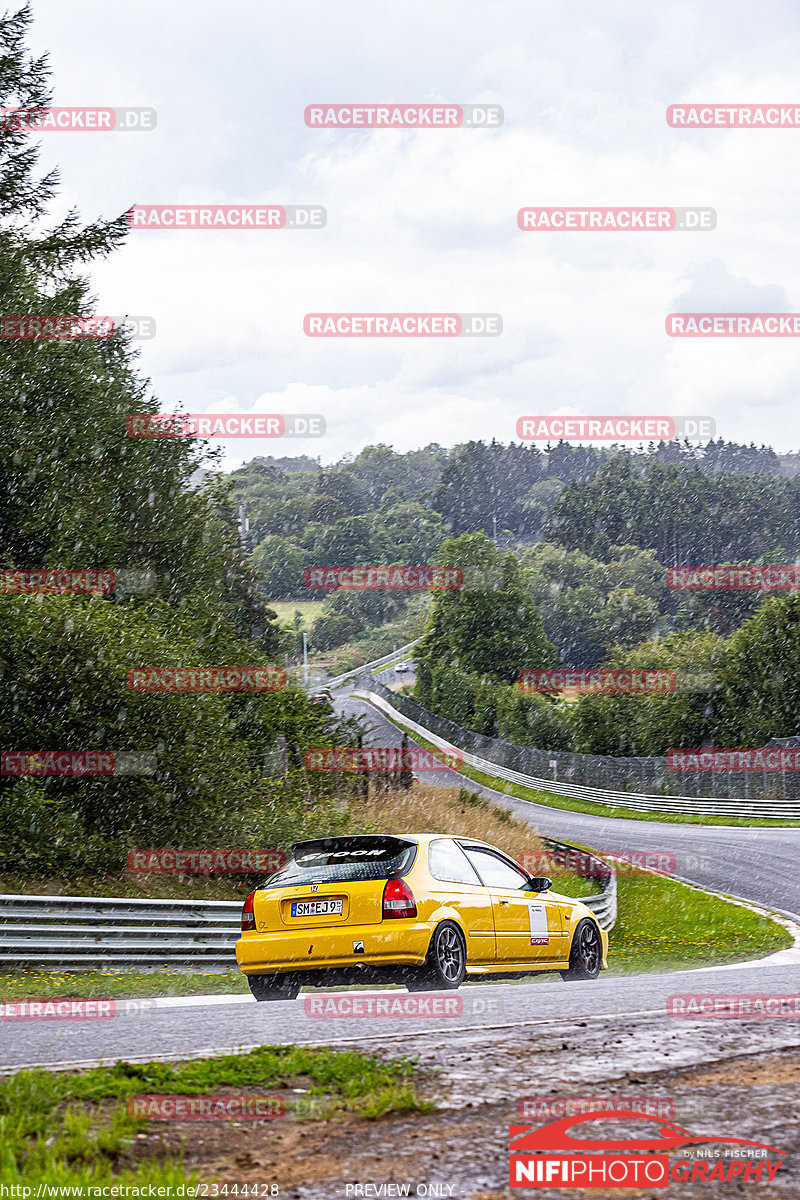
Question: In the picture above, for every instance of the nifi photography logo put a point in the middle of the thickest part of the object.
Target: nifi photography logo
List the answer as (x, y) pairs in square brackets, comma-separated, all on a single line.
[(550, 1156)]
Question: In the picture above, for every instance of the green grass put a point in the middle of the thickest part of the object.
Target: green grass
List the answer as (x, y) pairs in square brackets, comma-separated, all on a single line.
[(74, 1128), (310, 610), (666, 925), (570, 804), (118, 985)]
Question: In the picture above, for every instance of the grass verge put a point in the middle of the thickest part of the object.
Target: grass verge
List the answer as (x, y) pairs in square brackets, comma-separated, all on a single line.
[(118, 985), (75, 1128), (663, 925)]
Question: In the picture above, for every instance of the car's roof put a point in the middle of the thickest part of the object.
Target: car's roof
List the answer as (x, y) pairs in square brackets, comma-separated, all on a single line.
[(459, 837)]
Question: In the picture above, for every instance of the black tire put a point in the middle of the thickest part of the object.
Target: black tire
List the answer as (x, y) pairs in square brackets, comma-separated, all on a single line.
[(586, 953), (273, 987), (445, 966)]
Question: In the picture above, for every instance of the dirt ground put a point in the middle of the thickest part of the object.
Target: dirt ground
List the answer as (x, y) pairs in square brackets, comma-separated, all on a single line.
[(462, 1149)]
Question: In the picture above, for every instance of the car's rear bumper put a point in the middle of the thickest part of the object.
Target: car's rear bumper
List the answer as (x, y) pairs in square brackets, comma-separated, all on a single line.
[(403, 944)]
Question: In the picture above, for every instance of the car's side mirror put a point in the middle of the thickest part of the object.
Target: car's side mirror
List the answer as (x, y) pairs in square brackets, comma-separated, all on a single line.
[(539, 883)]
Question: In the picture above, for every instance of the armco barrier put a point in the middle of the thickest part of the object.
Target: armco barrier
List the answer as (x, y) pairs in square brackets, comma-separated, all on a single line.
[(88, 932), (504, 761)]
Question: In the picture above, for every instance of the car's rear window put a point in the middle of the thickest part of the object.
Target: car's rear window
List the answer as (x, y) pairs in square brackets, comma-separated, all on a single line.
[(344, 860)]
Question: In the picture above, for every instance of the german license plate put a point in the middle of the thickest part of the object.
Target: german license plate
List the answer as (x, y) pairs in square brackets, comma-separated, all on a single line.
[(317, 908)]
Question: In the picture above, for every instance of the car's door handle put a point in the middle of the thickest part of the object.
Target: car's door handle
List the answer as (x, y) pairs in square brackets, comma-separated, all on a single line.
[(504, 901)]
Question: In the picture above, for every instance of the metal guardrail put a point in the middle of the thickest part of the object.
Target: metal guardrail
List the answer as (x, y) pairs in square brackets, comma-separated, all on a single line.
[(784, 809), (400, 652), (89, 932)]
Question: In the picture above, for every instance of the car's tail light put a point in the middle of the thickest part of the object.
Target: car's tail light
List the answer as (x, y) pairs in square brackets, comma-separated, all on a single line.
[(398, 899), (248, 916)]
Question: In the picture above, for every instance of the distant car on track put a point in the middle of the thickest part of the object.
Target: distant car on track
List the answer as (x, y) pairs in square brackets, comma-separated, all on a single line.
[(401, 668), (426, 910)]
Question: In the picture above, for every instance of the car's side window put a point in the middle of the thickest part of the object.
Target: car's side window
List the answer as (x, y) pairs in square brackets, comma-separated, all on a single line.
[(447, 861), (494, 871)]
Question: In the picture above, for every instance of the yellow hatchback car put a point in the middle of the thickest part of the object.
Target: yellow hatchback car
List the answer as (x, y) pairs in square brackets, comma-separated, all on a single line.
[(426, 910)]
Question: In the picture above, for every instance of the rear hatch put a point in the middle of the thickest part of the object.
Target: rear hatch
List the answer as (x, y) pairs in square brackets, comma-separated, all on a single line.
[(332, 881)]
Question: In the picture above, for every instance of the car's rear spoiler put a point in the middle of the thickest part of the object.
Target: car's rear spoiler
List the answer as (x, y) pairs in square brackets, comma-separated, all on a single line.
[(381, 845)]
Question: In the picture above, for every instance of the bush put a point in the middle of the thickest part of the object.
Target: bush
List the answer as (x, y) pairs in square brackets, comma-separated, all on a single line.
[(532, 720), (332, 630)]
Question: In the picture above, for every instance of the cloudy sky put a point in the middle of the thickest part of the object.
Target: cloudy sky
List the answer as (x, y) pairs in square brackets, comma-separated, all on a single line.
[(426, 220)]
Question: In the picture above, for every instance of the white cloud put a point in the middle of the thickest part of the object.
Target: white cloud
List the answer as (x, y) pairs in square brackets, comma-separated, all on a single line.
[(426, 221)]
